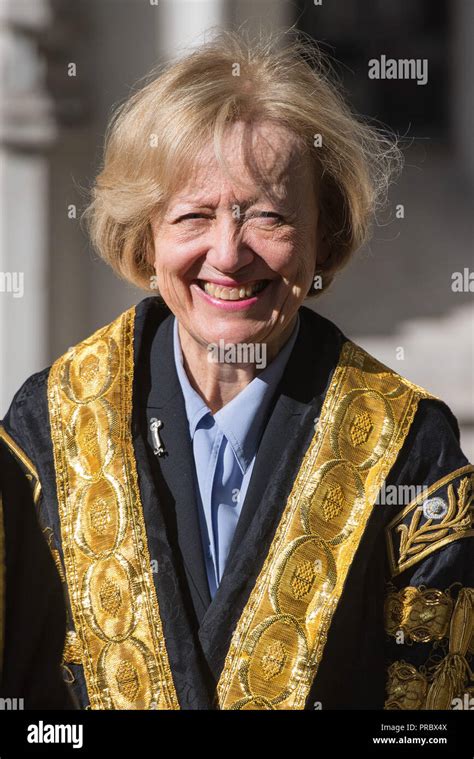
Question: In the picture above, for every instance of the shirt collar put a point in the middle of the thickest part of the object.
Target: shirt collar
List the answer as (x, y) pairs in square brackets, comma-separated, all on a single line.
[(242, 419)]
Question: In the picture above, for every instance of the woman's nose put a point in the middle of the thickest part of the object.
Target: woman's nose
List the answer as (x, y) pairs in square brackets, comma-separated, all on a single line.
[(227, 249)]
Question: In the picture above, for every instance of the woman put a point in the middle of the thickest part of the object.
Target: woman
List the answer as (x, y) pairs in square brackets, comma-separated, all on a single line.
[(211, 462)]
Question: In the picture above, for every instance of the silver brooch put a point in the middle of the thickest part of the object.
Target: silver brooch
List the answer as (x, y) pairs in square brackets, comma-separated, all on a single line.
[(435, 508), (155, 425)]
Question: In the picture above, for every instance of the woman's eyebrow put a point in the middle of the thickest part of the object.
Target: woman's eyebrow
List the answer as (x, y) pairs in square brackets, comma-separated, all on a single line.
[(200, 201), (194, 200), (265, 199)]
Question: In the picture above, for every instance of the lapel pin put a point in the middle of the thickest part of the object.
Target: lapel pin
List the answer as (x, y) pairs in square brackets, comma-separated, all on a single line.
[(155, 425)]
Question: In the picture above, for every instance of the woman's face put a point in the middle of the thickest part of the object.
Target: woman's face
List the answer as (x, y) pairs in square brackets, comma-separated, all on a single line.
[(232, 261)]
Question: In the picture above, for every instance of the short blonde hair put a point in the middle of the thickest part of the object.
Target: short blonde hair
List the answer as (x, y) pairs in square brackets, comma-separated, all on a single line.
[(154, 137)]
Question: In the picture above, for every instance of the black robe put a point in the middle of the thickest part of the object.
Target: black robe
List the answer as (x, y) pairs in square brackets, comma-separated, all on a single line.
[(364, 661), (32, 608)]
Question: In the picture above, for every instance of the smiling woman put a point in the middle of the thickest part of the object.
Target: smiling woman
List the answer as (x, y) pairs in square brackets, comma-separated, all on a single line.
[(240, 166), (235, 261), (211, 462), (159, 135)]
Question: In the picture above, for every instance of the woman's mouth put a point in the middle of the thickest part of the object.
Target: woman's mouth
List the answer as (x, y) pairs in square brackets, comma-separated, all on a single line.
[(231, 297), (223, 292)]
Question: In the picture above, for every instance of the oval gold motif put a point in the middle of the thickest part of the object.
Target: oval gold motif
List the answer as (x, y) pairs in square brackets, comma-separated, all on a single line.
[(278, 649), (109, 598), (363, 427), (338, 493), (305, 568), (128, 680), (91, 438), (100, 521), (90, 371), (127, 669)]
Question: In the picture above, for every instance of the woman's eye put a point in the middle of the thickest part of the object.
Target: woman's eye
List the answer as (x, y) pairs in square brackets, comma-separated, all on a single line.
[(270, 218), (191, 216), (271, 215)]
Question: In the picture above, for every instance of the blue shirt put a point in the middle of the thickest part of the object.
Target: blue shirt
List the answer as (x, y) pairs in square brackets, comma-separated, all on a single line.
[(225, 446)]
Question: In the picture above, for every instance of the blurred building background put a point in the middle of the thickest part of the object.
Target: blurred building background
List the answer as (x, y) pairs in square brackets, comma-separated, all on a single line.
[(63, 65)]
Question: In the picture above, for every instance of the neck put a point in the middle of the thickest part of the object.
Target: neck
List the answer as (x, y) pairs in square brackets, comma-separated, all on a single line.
[(218, 383)]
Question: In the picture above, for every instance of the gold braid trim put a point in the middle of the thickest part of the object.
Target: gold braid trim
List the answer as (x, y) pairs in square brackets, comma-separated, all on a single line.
[(113, 600), (72, 653), (409, 688), (421, 614), (452, 675), (49, 537), (280, 638), (406, 687)]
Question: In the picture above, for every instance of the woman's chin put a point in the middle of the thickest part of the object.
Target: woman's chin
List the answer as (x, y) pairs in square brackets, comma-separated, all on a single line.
[(228, 337), (243, 330)]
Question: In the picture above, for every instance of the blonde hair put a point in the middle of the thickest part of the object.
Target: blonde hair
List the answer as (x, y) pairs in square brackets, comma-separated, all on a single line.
[(154, 137)]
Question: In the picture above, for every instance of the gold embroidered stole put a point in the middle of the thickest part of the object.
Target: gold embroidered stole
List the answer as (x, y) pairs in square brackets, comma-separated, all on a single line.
[(280, 637), (108, 569), (279, 640)]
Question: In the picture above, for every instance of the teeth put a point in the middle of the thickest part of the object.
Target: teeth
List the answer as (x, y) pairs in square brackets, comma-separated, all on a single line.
[(231, 293)]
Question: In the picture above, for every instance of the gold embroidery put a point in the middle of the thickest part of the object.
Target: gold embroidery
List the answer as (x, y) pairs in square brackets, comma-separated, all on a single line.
[(49, 536), (110, 597), (453, 674), (100, 515), (406, 687), (280, 638), (113, 599), (365, 418), (423, 615), (303, 579), (72, 653), (360, 429), (333, 502), (418, 541), (128, 680), (31, 473), (273, 660)]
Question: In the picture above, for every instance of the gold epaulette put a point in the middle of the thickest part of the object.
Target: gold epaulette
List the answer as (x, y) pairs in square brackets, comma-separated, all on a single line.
[(442, 513)]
